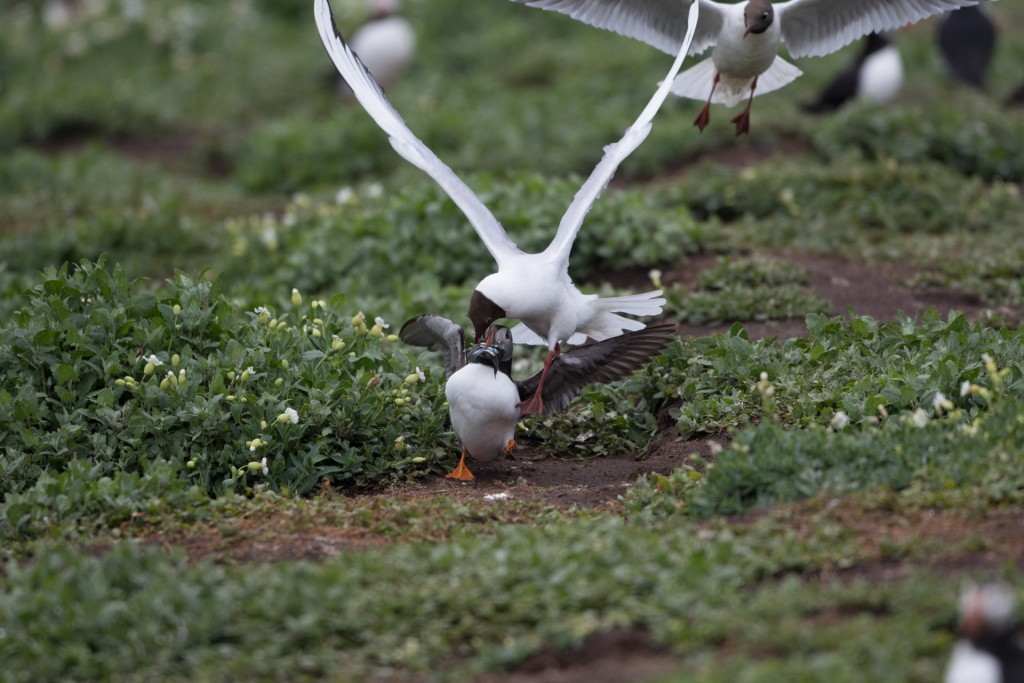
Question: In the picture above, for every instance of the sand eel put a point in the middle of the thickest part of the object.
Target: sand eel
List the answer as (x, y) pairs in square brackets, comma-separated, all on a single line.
[(876, 75), (967, 39), (746, 37), (986, 651), (385, 43), (534, 288), (483, 399)]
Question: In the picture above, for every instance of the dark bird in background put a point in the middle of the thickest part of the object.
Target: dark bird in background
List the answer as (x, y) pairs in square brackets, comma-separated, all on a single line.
[(876, 74), (967, 39), (986, 651)]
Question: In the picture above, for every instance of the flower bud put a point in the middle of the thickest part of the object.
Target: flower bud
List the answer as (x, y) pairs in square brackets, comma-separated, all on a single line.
[(296, 297), (400, 444), (175, 359), (191, 464), (278, 382), (284, 363), (376, 331), (165, 383), (418, 459), (176, 309), (392, 337), (358, 319), (119, 382), (412, 379), (148, 370), (337, 343)]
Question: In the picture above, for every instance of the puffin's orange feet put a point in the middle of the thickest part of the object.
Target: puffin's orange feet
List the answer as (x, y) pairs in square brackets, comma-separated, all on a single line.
[(461, 472), (509, 447)]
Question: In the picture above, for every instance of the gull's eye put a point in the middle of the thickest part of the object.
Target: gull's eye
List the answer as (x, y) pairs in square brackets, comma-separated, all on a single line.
[(764, 15)]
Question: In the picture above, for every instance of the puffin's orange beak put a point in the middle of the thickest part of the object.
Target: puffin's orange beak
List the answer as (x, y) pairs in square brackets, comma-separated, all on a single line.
[(490, 337)]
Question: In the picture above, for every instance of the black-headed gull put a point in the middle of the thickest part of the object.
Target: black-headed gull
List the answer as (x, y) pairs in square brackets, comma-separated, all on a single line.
[(876, 75), (746, 37), (483, 400), (986, 651), (385, 42), (535, 288), (967, 39)]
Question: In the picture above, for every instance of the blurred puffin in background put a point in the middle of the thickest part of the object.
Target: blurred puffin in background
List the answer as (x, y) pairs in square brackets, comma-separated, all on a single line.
[(986, 651), (967, 39), (876, 74), (385, 43)]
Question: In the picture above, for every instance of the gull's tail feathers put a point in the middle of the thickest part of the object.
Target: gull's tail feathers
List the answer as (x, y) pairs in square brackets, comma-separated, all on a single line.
[(695, 83)]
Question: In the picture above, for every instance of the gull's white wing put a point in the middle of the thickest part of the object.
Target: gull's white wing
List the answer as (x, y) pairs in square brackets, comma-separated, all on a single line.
[(811, 28), (661, 23), (615, 154), (402, 139)]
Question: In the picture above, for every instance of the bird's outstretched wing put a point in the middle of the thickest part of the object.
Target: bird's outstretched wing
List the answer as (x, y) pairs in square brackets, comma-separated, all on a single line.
[(605, 361), (437, 333), (402, 139), (660, 23), (811, 28), (615, 154)]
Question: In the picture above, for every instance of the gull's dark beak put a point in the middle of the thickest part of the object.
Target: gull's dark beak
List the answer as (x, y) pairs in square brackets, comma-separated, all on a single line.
[(747, 32)]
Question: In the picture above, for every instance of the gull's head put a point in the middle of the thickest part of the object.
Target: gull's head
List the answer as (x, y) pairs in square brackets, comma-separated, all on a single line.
[(383, 8), (758, 15), (483, 312)]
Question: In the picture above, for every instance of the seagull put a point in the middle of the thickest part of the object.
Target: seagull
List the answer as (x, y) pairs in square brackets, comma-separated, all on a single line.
[(534, 288), (483, 399), (967, 39), (986, 651), (746, 37), (876, 74), (385, 43)]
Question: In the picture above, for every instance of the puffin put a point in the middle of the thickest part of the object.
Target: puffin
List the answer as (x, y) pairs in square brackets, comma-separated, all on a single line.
[(876, 75), (534, 288), (483, 399), (746, 37), (986, 651), (386, 42), (967, 39)]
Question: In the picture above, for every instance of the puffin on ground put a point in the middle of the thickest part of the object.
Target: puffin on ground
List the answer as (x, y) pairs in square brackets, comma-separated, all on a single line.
[(535, 288), (876, 74), (986, 651), (746, 37), (967, 39), (385, 43), (484, 400)]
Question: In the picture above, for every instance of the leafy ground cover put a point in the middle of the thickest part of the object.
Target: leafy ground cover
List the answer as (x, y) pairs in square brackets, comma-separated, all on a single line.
[(219, 463)]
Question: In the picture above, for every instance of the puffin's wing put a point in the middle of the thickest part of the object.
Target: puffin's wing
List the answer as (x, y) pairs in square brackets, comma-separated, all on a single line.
[(437, 333), (812, 28), (402, 139), (660, 23), (604, 361), (615, 154)]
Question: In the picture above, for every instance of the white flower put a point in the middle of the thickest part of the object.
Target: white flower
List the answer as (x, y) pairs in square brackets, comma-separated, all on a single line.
[(266, 470), (423, 377), (965, 388), (154, 360), (938, 400), (289, 415), (344, 196), (380, 321), (262, 310), (655, 277), (250, 370), (919, 418), (839, 421), (374, 190)]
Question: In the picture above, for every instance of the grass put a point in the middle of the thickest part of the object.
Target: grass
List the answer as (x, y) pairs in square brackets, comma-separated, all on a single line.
[(182, 191)]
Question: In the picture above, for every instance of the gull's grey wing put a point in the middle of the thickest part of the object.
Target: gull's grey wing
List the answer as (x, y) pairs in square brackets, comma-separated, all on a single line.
[(811, 28), (405, 143), (660, 23), (615, 154), (605, 361), (437, 333)]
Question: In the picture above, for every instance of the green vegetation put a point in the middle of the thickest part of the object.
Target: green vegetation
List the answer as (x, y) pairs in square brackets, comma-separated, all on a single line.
[(200, 235)]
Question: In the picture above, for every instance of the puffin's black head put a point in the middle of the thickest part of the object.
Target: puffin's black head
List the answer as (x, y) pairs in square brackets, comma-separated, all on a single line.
[(758, 15), (483, 312), (495, 349)]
